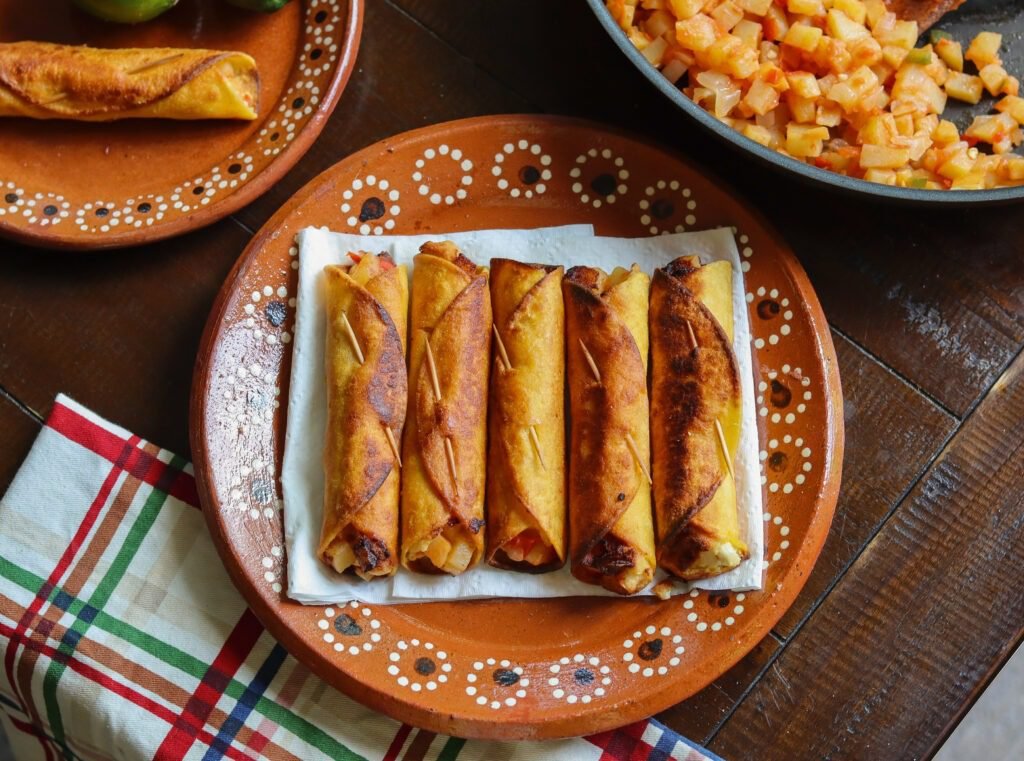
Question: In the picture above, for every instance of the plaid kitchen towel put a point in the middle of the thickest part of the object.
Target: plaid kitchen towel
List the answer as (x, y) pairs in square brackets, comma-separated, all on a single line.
[(122, 636)]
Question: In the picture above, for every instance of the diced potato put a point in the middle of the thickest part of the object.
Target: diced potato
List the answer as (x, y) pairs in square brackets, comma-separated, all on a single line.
[(833, 55), (913, 84), (1015, 169), (844, 28), (902, 34), (883, 157), (761, 97), (865, 51), (755, 7), (684, 9), (792, 74), (728, 15), (946, 133), (991, 128), (343, 558), (875, 9), (964, 87), (696, 33), (993, 76), (951, 52), (802, 109), (804, 84), (459, 557), (828, 115), (905, 125), (855, 9), (881, 176), (984, 49), (438, 551), (957, 166), (878, 130), (758, 134), (748, 31), (805, 141), (803, 37), (894, 55), (806, 7), (1012, 105), (776, 25), (969, 181)]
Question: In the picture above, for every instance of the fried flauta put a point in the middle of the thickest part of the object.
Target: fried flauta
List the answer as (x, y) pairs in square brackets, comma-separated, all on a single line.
[(367, 395), (526, 452), (444, 449), (42, 80), (695, 409), (611, 526)]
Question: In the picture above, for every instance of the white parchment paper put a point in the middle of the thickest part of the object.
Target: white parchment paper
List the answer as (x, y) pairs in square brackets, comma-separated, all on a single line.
[(302, 477)]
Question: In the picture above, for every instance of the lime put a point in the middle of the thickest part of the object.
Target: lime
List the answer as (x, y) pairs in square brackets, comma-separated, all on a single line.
[(125, 11)]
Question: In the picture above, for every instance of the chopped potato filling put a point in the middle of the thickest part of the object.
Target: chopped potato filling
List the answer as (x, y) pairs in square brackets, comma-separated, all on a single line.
[(840, 84)]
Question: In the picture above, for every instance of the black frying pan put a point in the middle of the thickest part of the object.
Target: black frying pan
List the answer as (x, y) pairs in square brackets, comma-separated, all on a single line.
[(1003, 16)]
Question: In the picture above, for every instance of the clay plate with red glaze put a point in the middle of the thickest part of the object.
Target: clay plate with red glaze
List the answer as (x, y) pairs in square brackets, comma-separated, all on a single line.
[(508, 668), (77, 185)]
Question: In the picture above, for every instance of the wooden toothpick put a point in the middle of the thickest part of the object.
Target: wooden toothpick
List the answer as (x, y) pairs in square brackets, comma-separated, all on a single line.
[(433, 372), (154, 64), (536, 445), (352, 338), (725, 449), (394, 444), (631, 443), (501, 348), (590, 361), (451, 463), (693, 337)]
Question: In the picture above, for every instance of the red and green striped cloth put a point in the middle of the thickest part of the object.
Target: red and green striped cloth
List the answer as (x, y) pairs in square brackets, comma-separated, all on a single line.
[(122, 636)]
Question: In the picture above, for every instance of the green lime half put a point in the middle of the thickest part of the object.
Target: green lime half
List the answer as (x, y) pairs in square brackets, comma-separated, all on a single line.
[(125, 11)]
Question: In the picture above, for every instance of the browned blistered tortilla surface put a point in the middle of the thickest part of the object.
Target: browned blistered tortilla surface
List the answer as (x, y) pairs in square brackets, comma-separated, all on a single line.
[(363, 400), (523, 492), (691, 388), (924, 12), (83, 82)]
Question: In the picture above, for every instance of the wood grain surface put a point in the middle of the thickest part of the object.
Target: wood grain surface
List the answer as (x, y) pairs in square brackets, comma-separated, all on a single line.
[(918, 597)]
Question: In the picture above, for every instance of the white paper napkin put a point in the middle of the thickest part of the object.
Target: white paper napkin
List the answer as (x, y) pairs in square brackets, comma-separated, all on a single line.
[(309, 581)]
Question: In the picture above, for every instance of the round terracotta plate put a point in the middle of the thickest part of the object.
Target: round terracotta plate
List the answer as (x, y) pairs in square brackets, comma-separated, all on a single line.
[(66, 184), (514, 668)]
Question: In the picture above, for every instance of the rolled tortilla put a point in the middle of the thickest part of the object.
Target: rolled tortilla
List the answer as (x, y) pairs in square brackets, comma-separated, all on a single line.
[(444, 449), (696, 409), (41, 80), (366, 403), (611, 526), (526, 452)]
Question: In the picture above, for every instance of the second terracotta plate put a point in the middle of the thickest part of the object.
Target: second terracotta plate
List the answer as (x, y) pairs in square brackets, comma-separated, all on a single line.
[(514, 668), (66, 184)]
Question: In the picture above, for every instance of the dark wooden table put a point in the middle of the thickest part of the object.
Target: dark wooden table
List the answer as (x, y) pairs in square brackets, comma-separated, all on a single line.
[(918, 597)]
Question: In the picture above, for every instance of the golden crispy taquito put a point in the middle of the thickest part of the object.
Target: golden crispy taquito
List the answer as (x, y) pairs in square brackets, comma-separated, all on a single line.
[(526, 453), (445, 444), (367, 305), (41, 80), (696, 409), (611, 526)]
